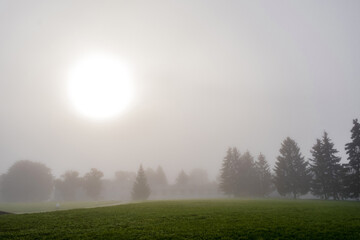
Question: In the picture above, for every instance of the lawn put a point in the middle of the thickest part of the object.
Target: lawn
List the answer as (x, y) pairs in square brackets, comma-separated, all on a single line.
[(193, 219)]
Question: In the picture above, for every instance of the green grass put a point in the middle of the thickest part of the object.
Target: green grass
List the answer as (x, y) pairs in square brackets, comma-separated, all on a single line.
[(195, 219), (50, 206)]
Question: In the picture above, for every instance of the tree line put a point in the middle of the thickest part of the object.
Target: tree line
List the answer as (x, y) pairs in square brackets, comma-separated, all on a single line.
[(28, 181), (323, 175)]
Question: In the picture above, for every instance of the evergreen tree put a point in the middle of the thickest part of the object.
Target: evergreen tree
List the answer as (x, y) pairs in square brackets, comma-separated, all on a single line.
[(345, 181), (264, 175), (353, 150), (151, 177), (318, 169), (326, 168), (141, 189), (246, 180), (182, 179), (198, 177), (291, 172), (228, 172), (334, 167), (240, 176), (161, 177)]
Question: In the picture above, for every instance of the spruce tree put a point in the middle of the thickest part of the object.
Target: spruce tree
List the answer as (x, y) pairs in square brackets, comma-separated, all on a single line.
[(182, 179), (291, 172), (318, 169), (264, 175), (161, 177), (353, 150), (326, 169), (334, 167), (345, 181), (228, 172), (141, 189), (246, 180)]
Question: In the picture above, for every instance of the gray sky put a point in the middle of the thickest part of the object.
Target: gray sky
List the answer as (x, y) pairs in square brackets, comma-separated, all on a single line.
[(208, 75)]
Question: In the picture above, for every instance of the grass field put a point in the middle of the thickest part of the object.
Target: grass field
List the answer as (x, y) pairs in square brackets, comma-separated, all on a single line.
[(193, 219)]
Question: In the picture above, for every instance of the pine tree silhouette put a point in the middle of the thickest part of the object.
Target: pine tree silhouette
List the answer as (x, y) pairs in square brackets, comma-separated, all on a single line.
[(141, 190)]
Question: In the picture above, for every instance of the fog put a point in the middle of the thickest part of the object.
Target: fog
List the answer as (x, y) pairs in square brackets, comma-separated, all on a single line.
[(208, 75)]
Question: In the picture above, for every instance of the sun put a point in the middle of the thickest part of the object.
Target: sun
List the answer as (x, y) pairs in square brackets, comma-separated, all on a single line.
[(100, 86)]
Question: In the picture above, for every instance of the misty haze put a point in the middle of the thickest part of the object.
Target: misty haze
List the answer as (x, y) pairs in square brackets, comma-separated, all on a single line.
[(179, 119)]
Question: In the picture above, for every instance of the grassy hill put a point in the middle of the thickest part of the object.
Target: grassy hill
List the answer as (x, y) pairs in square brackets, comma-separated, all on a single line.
[(193, 219)]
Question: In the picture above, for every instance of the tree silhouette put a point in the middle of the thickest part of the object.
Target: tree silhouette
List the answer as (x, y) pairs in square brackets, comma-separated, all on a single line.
[(93, 184), (318, 168), (291, 172), (141, 190), (246, 180), (353, 150), (27, 181), (326, 169), (151, 177), (228, 171), (182, 179), (334, 167), (240, 176), (68, 185), (198, 177), (161, 177), (264, 175)]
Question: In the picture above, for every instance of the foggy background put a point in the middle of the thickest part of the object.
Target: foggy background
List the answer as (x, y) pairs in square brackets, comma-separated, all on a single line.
[(208, 75)]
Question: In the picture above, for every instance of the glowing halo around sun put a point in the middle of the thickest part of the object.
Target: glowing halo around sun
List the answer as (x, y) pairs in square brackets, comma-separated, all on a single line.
[(100, 86)]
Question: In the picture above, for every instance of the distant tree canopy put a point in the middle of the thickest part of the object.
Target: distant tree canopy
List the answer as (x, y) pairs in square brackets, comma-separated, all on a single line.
[(182, 179), (264, 174), (353, 150), (27, 181), (241, 176), (156, 178), (161, 177), (124, 176), (247, 180), (292, 175), (228, 171), (198, 177), (93, 184), (327, 172), (141, 190), (68, 185)]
